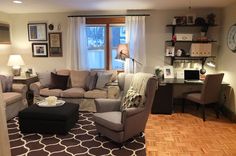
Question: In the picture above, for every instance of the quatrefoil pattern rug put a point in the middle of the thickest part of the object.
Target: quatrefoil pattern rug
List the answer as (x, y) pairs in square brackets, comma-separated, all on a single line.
[(81, 140)]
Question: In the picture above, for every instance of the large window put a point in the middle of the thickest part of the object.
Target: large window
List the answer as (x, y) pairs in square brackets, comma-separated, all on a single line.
[(96, 46), (103, 37)]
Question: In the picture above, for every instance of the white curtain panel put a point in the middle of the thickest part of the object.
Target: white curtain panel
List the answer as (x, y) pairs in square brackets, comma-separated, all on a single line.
[(77, 44), (135, 37)]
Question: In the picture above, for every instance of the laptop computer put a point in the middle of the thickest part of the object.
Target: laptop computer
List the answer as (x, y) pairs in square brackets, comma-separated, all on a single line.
[(192, 76)]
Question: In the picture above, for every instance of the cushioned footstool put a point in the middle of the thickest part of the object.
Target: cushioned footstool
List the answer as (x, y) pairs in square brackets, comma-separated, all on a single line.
[(52, 120)]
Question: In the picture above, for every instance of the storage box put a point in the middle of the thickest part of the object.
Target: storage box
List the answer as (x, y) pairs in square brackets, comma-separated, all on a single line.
[(184, 37), (200, 49)]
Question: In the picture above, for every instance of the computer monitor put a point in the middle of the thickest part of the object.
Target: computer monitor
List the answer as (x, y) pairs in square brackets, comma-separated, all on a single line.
[(191, 75)]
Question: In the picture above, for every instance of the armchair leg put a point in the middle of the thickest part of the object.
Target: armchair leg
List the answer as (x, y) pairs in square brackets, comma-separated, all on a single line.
[(203, 113), (99, 134), (183, 104)]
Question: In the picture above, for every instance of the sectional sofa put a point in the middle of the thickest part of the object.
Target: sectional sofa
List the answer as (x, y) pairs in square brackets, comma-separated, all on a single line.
[(82, 88)]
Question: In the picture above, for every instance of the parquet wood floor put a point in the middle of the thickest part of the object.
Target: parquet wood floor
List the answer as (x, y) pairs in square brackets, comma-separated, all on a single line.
[(185, 134)]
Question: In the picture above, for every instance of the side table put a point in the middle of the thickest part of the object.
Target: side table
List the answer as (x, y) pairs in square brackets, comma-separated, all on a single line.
[(27, 81)]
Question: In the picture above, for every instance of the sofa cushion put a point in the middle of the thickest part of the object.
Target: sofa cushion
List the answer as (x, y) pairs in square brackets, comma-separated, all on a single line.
[(91, 81), (11, 97), (73, 92), (6, 82), (103, 79), (96, 93), (78, 78), (58, 81), (111, 120), (50, 92)]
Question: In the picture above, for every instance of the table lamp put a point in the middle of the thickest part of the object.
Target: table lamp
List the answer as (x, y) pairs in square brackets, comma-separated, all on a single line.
[(15, 61)]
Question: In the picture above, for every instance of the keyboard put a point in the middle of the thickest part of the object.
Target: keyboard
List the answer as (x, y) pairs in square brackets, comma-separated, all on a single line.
[(193, 81)]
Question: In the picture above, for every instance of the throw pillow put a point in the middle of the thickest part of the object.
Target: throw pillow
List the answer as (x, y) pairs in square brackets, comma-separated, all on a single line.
[(78, 78), (131, 99), (58, 81), (91, 81), (103, 79), (44, 78), (6, 82)]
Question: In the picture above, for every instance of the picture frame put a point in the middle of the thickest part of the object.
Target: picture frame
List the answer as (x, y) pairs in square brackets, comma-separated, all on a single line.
[(55, 44), (168, 72), (37, 31), (39, 49), (190, 19), (170, 51), (181, 20)]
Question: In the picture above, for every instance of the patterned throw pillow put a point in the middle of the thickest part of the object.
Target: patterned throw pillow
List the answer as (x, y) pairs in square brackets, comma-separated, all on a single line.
[(6, 82), (131, 99)]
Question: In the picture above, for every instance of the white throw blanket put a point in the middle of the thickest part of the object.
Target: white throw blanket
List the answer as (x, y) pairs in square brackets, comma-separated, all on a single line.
[(139, 83)]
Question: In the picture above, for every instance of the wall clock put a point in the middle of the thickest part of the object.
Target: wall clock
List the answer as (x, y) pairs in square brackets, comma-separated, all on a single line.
[(231, 39)]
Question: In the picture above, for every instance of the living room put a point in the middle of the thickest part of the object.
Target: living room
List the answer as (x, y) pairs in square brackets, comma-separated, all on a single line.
[(161, 14)]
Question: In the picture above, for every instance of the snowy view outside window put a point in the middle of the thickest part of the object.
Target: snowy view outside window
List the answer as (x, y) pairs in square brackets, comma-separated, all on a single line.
[(96, 36)]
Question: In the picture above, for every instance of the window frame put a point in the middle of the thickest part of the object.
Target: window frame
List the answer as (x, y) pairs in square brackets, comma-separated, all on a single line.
[(109, 21)]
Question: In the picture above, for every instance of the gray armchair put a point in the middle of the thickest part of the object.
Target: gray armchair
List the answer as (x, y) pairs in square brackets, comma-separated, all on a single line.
[(119, 125)]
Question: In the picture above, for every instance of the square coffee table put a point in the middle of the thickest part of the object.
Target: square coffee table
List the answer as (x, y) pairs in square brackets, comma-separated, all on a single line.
[(48, 120)]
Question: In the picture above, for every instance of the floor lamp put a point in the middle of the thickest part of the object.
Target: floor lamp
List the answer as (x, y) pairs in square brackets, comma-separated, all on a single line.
[(123, 53)]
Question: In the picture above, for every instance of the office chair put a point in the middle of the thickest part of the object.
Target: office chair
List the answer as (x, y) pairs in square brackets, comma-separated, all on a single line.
[(209, 93)]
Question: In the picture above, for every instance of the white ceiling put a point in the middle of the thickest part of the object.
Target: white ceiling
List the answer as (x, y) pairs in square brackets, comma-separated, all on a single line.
[(40, 6)]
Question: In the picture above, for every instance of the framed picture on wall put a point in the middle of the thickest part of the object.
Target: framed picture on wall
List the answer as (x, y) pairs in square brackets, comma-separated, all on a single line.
[(168, 72), (55, 44), (37, 31), (40, 49)]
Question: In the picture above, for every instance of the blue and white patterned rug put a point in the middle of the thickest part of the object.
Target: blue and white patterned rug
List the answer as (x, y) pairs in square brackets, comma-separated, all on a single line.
[(81, 140)]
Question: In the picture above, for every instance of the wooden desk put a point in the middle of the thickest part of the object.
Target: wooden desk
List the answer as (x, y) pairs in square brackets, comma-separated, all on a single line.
[(170, 89), (27, 81)]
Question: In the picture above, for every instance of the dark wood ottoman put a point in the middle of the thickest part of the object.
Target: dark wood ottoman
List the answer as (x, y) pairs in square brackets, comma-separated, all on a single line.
[(48, 120)]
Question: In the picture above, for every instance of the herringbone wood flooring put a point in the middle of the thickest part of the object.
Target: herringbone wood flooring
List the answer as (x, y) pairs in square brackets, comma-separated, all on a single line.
[(186, 134)]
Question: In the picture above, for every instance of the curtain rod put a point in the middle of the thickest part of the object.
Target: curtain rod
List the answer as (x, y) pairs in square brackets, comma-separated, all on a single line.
[(109, 15)]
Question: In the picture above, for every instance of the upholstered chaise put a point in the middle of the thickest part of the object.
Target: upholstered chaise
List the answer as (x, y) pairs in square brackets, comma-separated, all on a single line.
[(121, 124)]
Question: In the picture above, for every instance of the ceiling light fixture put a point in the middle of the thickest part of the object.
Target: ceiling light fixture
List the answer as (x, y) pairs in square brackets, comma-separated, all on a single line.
[(17, 2)]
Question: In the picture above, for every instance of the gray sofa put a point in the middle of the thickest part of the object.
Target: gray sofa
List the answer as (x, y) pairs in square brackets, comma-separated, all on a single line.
[(15, 100), (76, 91), (121, 124)]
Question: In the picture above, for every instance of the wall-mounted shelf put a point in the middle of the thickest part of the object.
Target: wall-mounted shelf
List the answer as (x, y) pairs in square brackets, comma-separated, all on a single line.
[(202, 58), (193, 25), (202, 41)]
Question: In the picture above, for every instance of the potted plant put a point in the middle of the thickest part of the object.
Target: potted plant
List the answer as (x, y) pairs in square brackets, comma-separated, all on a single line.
[(158, 72)]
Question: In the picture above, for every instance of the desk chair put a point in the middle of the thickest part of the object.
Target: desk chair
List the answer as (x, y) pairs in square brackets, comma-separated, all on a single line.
[(209, 94)]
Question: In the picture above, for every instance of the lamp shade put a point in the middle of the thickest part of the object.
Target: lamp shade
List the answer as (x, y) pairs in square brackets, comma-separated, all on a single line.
[(15, 61), (122, 52)]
